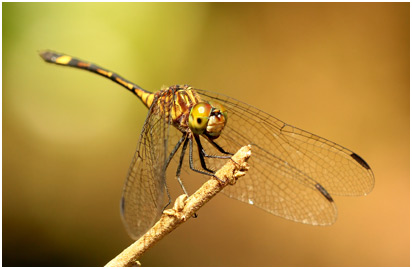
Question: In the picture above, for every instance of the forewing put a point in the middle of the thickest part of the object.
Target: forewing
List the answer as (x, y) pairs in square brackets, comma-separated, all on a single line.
[(292, 170)]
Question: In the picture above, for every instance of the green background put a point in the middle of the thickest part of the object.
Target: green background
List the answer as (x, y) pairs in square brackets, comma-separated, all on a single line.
[(338, 70)]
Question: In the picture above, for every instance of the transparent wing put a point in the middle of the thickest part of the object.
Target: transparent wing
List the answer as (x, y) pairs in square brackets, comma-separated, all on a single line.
[(143, 192), (292, 171)]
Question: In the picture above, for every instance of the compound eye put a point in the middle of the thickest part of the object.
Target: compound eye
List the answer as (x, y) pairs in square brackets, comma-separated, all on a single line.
[(199, 117)]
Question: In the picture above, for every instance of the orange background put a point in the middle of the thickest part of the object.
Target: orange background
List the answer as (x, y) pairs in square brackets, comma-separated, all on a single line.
[(339, 70)]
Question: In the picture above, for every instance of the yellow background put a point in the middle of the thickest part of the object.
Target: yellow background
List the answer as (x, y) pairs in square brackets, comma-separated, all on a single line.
[(338, 70)]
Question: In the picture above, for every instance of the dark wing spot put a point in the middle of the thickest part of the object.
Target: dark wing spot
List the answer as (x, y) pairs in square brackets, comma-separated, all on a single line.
[(360, 160), (199, 120), (324, 192)]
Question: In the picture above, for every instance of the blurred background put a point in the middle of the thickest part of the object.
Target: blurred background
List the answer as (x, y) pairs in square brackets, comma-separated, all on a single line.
[(338, 70)]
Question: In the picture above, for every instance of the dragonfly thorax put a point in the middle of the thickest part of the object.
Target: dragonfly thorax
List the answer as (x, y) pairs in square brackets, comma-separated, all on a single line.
[(207, 119)]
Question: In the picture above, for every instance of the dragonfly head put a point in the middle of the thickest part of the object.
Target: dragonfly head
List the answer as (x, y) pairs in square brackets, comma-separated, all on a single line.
[(208, 118)]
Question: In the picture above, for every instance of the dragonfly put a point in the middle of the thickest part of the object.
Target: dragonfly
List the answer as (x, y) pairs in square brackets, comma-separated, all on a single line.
[(293, 173)]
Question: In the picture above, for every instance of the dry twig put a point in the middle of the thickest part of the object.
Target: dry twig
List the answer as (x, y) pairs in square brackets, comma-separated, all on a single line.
[(184, 208)]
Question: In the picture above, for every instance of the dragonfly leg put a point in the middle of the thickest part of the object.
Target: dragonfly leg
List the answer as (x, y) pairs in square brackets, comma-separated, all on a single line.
[(202, 159), (202, 154), (168, 196), (179, 167), (175, 149), (219, 148)]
